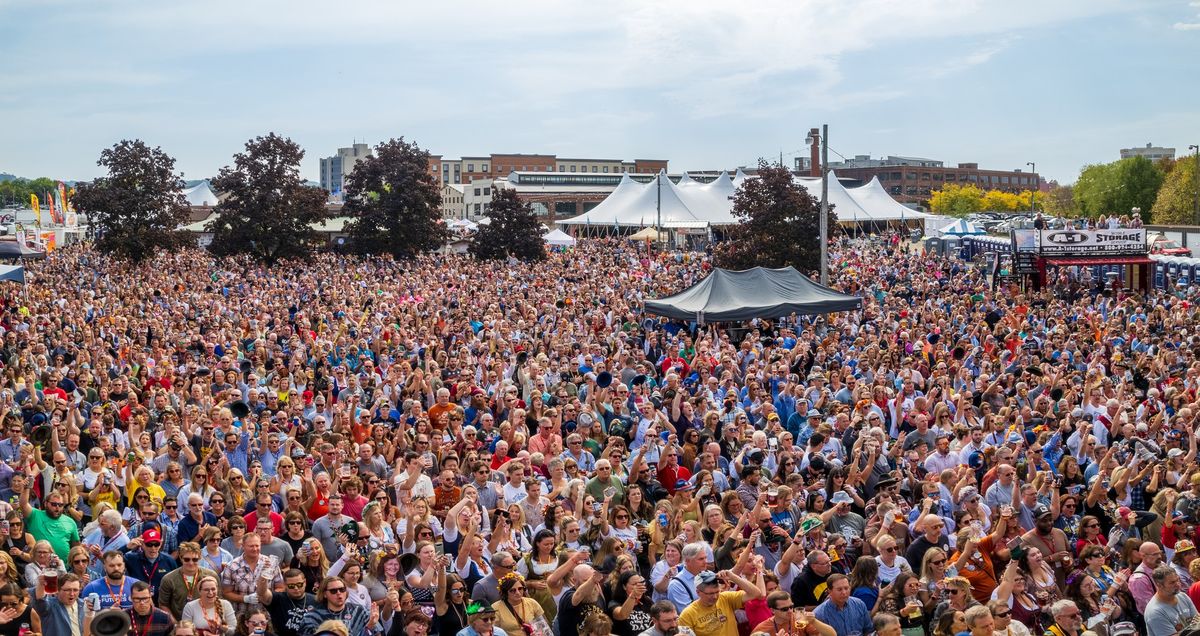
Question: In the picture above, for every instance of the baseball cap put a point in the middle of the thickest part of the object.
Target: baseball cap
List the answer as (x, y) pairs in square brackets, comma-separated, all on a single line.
[(841, 497), (1042, 510), (152, 535)]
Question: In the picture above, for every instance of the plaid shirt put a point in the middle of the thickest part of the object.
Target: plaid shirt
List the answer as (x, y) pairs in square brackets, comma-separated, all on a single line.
[(242, 578), (159, 623), (170, 538)]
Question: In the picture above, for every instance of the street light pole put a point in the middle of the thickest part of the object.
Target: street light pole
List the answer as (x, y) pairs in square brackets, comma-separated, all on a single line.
[(1033, 191), (1195, 148), (825, 204)]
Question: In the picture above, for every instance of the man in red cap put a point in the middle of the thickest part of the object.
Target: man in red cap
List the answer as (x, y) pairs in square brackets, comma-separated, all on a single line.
[(145, 561)]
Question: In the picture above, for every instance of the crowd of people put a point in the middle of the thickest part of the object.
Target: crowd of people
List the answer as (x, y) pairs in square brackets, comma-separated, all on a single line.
[(366, 447)]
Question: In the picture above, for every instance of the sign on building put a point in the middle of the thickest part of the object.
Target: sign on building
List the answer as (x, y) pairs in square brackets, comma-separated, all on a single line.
[(1070, 242)]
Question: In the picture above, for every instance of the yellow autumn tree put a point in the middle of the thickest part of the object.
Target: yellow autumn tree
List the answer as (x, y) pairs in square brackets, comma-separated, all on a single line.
[(955, 200)]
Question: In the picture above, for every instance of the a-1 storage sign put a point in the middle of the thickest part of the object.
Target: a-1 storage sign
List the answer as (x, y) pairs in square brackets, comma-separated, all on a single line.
[(1085, 242)]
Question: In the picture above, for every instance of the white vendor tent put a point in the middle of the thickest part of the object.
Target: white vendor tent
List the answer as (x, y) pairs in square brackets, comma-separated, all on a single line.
[(201, 195), (961, 227), (558, 238), (692, 204), (880, 205)]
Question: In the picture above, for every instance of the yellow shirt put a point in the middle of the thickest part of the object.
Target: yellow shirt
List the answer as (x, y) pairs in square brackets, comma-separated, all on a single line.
[(156, 492), (510, 624), (717, 620)]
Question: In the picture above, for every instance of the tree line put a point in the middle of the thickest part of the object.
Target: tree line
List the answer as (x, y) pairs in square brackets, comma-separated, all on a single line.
[(1163, 192), (268, 212)]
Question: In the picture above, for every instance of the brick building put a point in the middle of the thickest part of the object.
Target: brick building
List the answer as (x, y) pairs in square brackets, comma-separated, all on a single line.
[(495, 166), (909, 183)]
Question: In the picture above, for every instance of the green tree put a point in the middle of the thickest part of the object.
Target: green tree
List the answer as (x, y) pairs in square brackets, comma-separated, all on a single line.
[(269, 212), (513, 231), (138, 208), (955, 200), (778, 224), (1060, 201), (395, 202), (1118, 187), (1176, 202)]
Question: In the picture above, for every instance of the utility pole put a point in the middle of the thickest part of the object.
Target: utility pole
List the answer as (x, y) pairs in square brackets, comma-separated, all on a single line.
[(1195, 148), (825, 204), (658, 222), (1036, 185)]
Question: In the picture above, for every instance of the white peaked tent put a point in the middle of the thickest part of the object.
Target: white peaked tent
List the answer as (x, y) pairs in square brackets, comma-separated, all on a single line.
[(558, 238), (873, 198), (201, 195), (847, 209), (634, 204), (686, 182)]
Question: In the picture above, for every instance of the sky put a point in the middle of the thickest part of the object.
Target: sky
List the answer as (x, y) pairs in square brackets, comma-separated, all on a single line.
[(706, 85)]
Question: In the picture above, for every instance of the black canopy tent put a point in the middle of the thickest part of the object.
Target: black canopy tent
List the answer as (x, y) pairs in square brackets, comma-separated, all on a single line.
[(728, 296), (12, 248)]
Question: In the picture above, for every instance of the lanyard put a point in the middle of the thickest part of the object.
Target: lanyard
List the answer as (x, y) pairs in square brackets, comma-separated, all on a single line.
[(187, 587), (146, 626), (116, 596), (151, 573)]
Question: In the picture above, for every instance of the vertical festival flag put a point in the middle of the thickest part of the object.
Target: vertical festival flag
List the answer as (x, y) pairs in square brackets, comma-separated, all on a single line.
[(62, 202), (50, 204), (37, 209)]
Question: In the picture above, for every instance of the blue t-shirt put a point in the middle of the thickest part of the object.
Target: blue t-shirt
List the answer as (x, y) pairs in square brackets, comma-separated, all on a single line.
[(110, 594)]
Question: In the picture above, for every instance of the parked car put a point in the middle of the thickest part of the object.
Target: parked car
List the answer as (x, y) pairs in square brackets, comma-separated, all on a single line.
[(1160, 244)]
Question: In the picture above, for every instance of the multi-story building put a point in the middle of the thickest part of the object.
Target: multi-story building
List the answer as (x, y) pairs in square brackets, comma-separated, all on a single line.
[(453, 201), (914, 181), (1151, 152), (335, 169), (477, 198), (494, 166)]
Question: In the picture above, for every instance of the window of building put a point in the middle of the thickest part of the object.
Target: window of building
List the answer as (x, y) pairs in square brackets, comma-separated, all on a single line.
[(894, 190), (937, 176), (595, 169), (972, 178), (470, 167), (485, 167), (962, 177), (487, 192), (477, 192), (605, 169), (911, 190), (882, 176), (911, 176), (896, 176), (572, 168), (924, 176), (1004, 180)]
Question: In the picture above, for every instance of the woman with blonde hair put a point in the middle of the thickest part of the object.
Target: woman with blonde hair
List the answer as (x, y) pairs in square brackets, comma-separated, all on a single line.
[(236, 490), (311, 560), (8, 568), (209, 612), (933, 570), (378, 533)]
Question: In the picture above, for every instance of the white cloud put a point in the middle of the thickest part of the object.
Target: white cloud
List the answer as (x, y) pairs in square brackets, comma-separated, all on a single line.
[(1186, 26), (710, 57)]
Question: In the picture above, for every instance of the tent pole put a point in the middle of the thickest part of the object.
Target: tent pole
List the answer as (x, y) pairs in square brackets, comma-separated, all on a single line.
[(825, 204)]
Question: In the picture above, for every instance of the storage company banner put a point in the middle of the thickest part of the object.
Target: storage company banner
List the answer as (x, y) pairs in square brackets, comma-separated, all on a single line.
[(1085, 242)]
